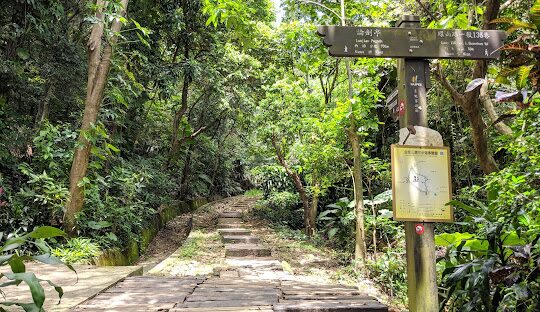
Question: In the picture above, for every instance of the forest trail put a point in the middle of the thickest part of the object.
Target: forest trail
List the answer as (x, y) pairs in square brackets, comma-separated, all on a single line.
[(223, 266)]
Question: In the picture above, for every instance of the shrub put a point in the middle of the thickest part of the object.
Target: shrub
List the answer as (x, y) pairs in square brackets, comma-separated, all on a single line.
[(79, 250), (281, 208), (271, 179), (389, 271)]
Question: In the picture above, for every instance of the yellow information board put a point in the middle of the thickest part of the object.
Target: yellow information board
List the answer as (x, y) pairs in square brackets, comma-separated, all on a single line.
[(421, 183)]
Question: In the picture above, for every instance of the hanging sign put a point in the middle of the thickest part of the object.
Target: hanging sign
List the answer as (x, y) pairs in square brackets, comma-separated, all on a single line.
[(421, 183), (412, 42)]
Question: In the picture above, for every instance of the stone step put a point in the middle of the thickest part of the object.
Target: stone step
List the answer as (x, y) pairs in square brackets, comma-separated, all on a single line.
[(227, 309), (258, 263), (246, 250), (334, 297), (230, 220), (198, 297), (234, 231), (330, 306), (233, 239), (221, 226), (230, 214), (229, 303)]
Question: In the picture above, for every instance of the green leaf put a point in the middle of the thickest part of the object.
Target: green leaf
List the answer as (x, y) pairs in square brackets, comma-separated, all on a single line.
[(50, 259), (17, 266), (512, 239), (98, 225), (459, 273), (23, 53), (474, 211), (10, 246), (332, 232), (47, 232), (38, 294), (447, 239), (523, 76), (5, 258), (534, 14), (27, 307), (113, 148)]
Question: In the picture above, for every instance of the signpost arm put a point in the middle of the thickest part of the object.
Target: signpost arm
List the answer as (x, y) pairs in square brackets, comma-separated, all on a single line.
[(420, 248)]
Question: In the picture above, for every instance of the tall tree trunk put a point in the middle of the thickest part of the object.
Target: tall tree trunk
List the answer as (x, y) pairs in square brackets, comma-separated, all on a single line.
[(360, 241), (99, 63), (185, 173), (175, 141), (470, 102), (313, 211), (43, 108), (297, 185)]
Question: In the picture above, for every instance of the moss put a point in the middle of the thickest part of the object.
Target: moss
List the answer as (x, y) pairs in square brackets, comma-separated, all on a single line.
[(135, 248), (112, 257), (132, 251), (147, 235), (196, 203)]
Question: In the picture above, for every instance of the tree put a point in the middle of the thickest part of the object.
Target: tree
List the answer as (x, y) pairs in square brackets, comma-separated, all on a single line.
[(108, 24)]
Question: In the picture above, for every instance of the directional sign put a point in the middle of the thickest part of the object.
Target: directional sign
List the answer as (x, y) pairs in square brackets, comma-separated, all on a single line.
[(412, 42)]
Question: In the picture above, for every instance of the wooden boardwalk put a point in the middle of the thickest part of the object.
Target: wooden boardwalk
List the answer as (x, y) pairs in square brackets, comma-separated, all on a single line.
[(252, 281)]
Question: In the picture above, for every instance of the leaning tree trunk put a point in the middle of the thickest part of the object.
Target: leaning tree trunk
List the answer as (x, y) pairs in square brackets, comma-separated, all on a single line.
[(297, 185), (99, 62), (470, 101)]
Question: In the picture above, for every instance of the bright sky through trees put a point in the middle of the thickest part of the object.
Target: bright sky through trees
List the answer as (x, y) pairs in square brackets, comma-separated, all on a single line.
[(279, 11)]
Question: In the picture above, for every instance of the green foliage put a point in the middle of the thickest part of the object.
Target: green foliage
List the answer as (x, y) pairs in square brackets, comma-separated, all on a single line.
[(44, 194), (522, 62), (389, 270), (117, 207), (493, 266), (78, 250), (338, 223), (10, 254), (271, 179), (282, 208), (253, 192)]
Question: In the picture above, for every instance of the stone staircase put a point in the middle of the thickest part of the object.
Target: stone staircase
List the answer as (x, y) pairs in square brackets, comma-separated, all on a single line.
[(239, 242), (250, 280)]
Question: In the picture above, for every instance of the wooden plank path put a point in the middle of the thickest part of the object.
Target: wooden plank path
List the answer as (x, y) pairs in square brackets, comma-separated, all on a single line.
[(251, 281)]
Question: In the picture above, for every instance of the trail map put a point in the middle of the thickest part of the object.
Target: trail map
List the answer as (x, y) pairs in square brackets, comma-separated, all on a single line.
[(421, 183)]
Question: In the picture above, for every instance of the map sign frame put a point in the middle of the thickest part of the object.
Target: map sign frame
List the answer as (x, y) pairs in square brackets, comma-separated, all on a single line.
[(419, 195)]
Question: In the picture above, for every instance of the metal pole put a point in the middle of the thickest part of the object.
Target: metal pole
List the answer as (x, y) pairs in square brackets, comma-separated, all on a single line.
[(413, 78)]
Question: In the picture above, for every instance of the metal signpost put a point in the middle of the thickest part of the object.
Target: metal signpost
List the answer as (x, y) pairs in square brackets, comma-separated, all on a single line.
[(412, 46)]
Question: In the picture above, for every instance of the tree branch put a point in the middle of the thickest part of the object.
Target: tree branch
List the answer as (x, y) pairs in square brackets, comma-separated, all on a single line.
[(485, 99), (456, 96)]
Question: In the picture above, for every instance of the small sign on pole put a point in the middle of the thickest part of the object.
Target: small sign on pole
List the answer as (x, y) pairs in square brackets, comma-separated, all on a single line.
[(421, 183)]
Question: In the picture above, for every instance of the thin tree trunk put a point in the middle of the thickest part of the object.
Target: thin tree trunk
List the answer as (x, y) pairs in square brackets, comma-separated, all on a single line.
[(360, 241), (175, 141), (313, 211), (99, 63), (297, 184), (43, 110), (185, 174)]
